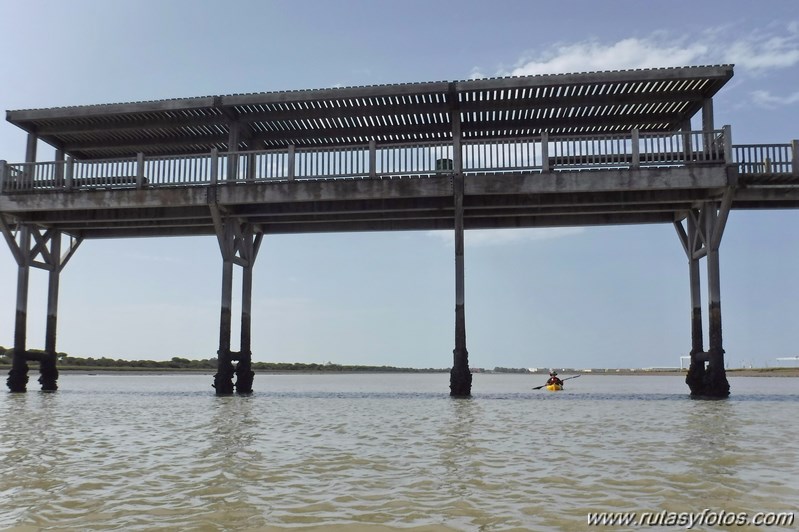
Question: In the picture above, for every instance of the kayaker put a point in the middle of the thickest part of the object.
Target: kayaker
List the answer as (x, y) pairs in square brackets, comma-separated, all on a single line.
[(553, 378)]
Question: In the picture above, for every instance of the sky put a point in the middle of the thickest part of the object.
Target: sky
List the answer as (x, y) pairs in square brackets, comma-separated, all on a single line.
[(574, 297)]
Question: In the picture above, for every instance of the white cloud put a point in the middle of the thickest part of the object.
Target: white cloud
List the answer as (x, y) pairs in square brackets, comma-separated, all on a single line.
[(625, 54), (775, 47), (498, 237), (757, 53), (754, 54), (476, 73), (766, 99)]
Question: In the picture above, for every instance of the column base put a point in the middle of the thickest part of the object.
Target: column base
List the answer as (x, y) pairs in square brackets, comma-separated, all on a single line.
[(223, 380), (696, 372), (17, 381), (244, 374), (48, 373), (460, 379), (708, 382)]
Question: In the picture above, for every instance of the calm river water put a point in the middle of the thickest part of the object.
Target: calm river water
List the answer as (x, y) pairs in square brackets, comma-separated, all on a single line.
[(388, 452)]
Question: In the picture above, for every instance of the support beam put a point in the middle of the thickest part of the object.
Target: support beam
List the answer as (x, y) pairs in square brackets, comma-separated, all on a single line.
[(721, 218), (715, 383), (239, 244), (223, 380), (11, 241), (460, 375), (244, 373), (48, 249), (48, 372), (18, 376), (696, 370), (706, 374)]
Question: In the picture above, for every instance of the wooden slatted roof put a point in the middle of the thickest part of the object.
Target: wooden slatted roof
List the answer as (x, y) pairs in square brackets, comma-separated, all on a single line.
[(659, 99)]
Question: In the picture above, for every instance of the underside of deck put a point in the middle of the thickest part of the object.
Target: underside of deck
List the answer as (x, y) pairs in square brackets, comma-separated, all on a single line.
[(504, 200)]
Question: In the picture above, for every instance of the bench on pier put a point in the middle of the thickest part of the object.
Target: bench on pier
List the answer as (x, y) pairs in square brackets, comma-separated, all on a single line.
[(105, 183), (645, 159)]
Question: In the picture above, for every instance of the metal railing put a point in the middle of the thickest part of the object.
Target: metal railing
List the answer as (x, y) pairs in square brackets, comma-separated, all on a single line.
[(542, 153)]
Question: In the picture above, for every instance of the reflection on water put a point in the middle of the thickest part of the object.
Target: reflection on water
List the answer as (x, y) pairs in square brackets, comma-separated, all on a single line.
[(388, 451)]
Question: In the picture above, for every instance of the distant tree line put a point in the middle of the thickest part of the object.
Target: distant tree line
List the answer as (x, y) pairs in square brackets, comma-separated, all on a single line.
[(66, 361), (511, 370)]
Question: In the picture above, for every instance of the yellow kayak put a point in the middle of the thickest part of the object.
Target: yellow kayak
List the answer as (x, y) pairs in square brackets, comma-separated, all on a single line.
[(554, 387)]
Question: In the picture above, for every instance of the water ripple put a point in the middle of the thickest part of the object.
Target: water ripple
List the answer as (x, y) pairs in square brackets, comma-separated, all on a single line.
[(307, 457)]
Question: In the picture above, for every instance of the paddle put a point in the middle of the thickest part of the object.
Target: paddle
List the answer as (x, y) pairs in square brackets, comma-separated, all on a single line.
[(567, 378)]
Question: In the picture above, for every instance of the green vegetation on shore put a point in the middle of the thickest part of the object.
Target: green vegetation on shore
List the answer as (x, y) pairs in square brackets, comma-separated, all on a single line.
[(67, 362)]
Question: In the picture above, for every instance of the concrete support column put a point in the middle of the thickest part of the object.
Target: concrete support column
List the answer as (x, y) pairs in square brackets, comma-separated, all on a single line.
[(460, 375), (239, 245), (223, 380), (47, 366), (47, 250), (706, 374), (244, 373), (18, 376), (715, 384), (696, 370)]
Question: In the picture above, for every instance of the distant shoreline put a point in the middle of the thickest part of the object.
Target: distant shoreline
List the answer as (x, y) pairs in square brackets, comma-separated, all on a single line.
[(747, 372), (742, 372)]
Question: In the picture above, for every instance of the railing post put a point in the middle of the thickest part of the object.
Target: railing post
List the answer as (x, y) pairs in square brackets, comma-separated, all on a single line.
[(635, 163), (4, 172), (727, 133), (292, 161), (687, 142), (372, 158), (214, 166), (139, 170), (795, 158), (251, 166), (58, 174), (69, 178), (545, 151)]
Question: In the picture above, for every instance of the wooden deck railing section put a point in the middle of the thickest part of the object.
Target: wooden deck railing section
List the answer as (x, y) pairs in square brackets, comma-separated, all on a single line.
[(630, 149), (767, 158)]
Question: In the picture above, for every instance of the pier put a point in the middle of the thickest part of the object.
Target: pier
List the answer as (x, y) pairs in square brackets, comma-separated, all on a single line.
[(601, 148)]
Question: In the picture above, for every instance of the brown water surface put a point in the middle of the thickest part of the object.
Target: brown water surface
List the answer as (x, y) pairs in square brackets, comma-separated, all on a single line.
[(389, 452)]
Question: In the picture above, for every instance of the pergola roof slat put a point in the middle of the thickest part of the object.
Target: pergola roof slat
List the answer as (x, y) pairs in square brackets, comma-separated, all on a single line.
[(651, 99)]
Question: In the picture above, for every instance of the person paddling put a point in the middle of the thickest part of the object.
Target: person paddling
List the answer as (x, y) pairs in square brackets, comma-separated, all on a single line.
[(553, 379)]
